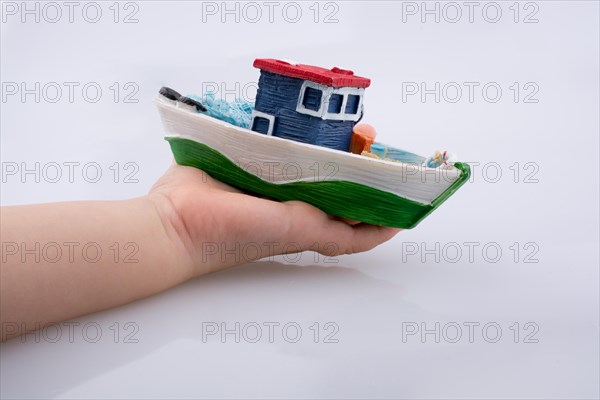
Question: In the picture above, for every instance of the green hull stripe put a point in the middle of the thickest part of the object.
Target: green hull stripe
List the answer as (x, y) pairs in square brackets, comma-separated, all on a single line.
[(341, 198)]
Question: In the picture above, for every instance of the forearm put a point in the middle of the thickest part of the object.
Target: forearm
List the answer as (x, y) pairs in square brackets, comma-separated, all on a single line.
[(63, 260)]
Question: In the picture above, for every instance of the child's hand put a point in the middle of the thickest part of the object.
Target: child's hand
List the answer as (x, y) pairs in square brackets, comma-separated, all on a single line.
[(217, 226)]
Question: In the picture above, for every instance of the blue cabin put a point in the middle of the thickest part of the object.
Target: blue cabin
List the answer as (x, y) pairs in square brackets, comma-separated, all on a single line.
[(308, 104)]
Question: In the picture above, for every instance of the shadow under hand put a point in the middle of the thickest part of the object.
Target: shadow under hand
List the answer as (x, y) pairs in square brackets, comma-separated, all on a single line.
[(256, 292)]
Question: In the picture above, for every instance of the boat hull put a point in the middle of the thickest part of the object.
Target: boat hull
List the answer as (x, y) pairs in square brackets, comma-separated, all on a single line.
[(395, 198)]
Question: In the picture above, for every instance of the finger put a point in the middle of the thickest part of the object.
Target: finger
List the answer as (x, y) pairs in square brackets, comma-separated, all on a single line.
[(347, 220), (340, 238), (316, 231), (365, 237)]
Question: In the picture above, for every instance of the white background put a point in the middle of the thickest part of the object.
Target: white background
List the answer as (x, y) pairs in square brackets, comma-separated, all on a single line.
[(551, 211)]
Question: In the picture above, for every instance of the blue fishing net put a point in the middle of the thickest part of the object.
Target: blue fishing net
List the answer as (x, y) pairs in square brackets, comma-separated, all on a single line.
[(237, 112)]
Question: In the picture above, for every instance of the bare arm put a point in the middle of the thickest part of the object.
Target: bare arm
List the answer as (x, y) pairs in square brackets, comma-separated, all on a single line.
[(62, 260), (58, 260)]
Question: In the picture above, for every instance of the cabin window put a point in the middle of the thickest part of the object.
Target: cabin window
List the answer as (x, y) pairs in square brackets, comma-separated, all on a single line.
[(329, 103), (335, 103), (343, 104), (262, 122), (312, 98), (352, 104), (260, 125)]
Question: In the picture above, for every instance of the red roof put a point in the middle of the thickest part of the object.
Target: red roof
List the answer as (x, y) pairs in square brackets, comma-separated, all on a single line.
[(335, 77)]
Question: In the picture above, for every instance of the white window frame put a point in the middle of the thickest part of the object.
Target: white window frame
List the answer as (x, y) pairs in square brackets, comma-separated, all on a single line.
[(327, 91), (269, 117)]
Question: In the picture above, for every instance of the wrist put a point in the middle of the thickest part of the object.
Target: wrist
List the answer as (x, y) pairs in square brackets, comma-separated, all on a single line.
[(172, 230)]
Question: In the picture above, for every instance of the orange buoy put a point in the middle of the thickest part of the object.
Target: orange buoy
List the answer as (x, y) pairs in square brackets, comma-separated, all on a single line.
[(363, 136)]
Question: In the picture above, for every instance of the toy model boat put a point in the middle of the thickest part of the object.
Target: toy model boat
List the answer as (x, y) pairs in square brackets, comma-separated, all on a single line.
[(301, 141)]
